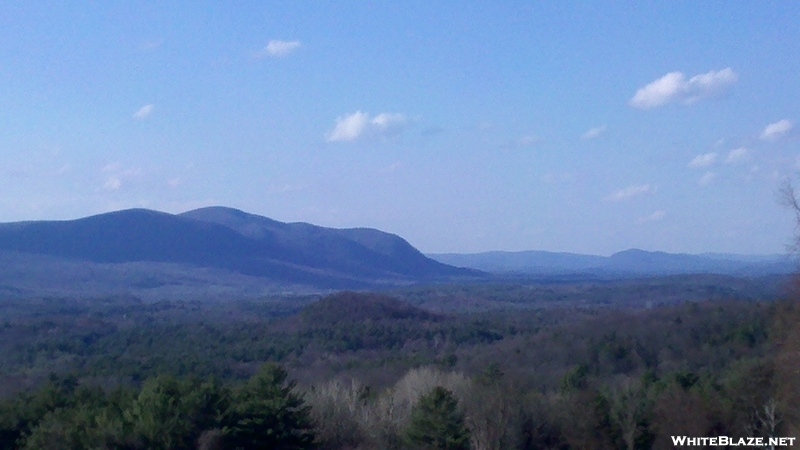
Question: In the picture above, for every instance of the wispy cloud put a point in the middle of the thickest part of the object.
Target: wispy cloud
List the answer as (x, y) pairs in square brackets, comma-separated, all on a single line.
[(113, 183), (277, 47), (349, 127), (529, 140), (594, 132), (674, 86), (655, 216), (629, 192), (116, 176), (737, 155), (777, 130), (143, 112), (707, 178), (704, 160), (389, 123), (359, 124), (112, 167)]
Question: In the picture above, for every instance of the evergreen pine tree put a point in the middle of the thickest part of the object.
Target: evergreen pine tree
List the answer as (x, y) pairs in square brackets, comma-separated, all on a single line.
[(437, 422), (268, 414)]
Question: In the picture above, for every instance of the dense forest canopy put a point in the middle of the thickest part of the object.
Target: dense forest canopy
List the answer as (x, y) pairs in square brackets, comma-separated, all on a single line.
[(630, 365)]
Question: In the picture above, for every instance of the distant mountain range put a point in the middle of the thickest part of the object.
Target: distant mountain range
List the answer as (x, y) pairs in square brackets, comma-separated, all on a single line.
[(222, 252), (626, 263), (227, 240)]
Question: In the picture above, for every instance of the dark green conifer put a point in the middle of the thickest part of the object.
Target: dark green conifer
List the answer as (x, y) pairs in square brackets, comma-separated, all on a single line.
[(437, 422), (268, 414)]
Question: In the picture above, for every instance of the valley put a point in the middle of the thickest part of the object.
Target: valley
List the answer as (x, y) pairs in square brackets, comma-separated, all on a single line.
[(114, 335)]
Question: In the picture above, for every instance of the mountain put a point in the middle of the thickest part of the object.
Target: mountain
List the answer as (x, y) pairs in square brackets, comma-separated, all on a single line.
[(624, 263), (233, 241), (222, 252), (364, 251)]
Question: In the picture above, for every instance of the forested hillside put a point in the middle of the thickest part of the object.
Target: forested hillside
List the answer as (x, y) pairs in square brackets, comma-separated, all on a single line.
[(120, 373), (225, 240)]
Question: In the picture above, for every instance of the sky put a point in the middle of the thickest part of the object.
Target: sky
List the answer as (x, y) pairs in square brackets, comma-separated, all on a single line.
[(462, 126)]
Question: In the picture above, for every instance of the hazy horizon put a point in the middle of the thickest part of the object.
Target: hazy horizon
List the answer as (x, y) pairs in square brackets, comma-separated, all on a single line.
[(461, 127)]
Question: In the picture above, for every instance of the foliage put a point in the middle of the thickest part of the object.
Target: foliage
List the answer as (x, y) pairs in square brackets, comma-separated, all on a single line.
[(267, 413), (134, 375), (437, 423), (166, 413), (171, 413)]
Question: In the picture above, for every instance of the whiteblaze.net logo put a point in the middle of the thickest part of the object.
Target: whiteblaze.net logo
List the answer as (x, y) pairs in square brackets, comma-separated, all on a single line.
[(723, 441)]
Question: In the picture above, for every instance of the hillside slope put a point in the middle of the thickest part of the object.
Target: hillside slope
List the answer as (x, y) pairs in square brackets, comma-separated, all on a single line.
[(362, 250), (231, 240)]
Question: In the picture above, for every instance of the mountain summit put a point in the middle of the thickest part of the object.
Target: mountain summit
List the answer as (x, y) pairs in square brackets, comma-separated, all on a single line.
[(229, 239)]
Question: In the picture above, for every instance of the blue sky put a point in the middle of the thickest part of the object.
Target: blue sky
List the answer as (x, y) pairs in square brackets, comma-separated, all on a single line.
[(461, 126)]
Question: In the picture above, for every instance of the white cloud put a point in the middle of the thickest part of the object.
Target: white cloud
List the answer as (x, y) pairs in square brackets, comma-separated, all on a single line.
[(659, 92), (277, 47), (707, 178), (113, 183), (143, 112), (777, 130), (349, 128), (655, 216), (710, 83), (629, 192), (737, 155), (389, 123), (594, 132), (704, 160), (675, 87), (112, 167), (116, 175), (359, 124)]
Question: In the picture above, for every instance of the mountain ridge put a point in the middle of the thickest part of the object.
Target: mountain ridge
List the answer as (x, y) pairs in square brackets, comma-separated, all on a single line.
[(218, 251), (230, 239), (630, 262)]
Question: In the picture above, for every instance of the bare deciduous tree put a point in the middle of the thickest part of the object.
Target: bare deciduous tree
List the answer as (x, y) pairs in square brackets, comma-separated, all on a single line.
[(629, 403), (340, 413), (787, 359), (492, 418)]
